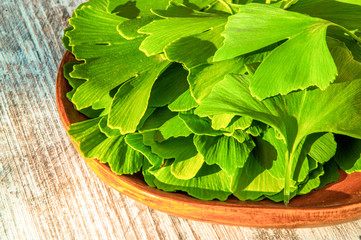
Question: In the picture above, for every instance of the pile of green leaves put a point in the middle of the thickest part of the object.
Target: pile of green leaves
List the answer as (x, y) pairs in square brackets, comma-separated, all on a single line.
[(259, 99)]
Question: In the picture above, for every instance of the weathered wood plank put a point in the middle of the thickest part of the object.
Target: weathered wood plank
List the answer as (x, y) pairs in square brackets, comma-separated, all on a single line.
[(46, 190)]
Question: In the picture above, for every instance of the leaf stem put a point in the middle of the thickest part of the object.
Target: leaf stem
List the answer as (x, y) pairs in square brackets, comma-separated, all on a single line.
[(354, 36), (287, 3), (287, 189), (230, 10)]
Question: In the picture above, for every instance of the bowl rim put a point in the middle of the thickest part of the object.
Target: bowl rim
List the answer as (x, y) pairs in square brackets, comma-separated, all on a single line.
[(262, 214)]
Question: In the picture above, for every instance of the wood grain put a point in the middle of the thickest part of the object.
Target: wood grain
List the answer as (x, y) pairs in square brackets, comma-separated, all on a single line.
[(46, 189)]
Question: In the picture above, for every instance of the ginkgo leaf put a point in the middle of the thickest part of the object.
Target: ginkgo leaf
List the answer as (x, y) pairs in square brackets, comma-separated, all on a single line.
[(221, 121), (270, 153), (187, 166), (295, 115), (203, 45), (184, 79), (157, 119), (348, 68), (324, 148), (133, 9), (285, 24), (203, 77), (240, 123), (311, 63), (224, 151), (174, 127), (135, 141), (104, 128), (348, 154), (210, 182), (75, 83), (343, 12), (129, 28), (171, 148), (184, 102), (331, 174), (198, 125), (187, 160), (65, 40), (169, 86), (196, 4), (95, 39), (253, 181), (124, 114), (112, 150), (179, 22)]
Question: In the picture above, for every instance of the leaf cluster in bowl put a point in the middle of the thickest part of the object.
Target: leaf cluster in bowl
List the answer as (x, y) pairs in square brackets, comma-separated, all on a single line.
[(259, 99)]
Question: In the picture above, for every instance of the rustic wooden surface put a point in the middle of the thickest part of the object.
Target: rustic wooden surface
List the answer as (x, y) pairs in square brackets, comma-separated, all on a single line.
[(46, 189)]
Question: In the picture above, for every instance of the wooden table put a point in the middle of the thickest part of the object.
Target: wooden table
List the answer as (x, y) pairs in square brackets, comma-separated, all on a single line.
[(46, 189)]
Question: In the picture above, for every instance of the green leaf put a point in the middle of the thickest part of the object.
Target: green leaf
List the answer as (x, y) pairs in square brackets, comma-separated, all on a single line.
[(313, 182), (294, 116), (324, 148), (171, 148), (124, 114), (253, 181), (221, 121), (241, 123), (112, 150), (310, 64), (187, 160), (184, 102), (187, 166), (104, 128), (135, 141), (348, 154), (195, 4), (198, 125), (343, 12), (270, 152), (129, 28), (210, 182), (253, 21), (203, 78), (90, 112), (179, 22), (348, 68), (174, 127), (157, 119), (197, 49), (95, 39), (133, 9), (331, 174), (100, 5), (224, 151), (66, 40), (256, 128), (73, 82), (170, 85), (147, 114)]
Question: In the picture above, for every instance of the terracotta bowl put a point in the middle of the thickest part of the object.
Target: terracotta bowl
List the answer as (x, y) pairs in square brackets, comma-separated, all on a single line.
[(336, 203)]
